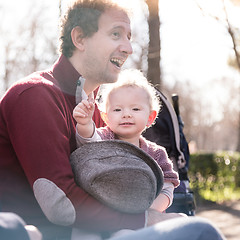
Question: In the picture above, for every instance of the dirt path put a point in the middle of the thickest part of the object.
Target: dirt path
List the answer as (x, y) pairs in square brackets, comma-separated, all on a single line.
[(225, 216)]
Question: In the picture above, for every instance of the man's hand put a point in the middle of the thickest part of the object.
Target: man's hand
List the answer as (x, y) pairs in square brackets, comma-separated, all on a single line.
[(156, 217)]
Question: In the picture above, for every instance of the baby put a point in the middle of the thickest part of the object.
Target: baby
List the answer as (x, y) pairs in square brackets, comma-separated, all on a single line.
[(128, 107)]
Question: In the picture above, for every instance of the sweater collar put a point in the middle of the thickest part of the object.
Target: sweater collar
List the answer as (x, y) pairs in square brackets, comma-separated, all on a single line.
[(142, 141), (143, 144), (66, 75)]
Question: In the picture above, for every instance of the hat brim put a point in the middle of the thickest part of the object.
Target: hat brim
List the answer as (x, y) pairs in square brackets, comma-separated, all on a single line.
[(95, 162)]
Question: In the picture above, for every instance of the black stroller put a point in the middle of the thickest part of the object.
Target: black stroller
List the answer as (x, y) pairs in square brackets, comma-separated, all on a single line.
[(168, 132)]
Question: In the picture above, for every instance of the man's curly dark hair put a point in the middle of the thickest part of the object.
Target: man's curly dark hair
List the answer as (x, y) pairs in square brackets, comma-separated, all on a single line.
[(85, 14)]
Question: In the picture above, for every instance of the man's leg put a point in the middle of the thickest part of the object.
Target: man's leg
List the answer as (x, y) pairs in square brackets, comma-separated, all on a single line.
[(191, 228)]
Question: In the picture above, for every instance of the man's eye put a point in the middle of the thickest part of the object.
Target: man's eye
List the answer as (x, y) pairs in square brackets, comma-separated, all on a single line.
[(116, 35)]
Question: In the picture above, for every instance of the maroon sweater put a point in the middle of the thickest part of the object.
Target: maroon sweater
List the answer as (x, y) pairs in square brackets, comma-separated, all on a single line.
[(37, 136)]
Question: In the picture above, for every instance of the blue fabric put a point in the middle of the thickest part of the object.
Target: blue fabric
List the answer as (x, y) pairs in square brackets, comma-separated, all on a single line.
[(191, 228), (12, 227)]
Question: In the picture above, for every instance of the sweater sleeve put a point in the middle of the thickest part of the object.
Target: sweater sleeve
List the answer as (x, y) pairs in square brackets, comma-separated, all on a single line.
[(167, 167), (39, 125), (160, 155), (167, 190), (81, 140)]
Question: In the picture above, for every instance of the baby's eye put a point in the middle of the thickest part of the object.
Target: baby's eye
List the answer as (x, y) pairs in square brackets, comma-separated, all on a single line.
[(117, 110), (136, 109)]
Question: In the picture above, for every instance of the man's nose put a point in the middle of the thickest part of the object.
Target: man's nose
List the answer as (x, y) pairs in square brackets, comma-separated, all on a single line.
[(126, 47)]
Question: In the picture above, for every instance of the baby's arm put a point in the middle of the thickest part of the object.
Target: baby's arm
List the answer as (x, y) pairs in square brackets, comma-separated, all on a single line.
[(83, 113), (165, 198)]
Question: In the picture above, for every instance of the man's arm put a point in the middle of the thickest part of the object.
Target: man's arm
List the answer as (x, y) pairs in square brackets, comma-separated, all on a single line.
[(42, 132)]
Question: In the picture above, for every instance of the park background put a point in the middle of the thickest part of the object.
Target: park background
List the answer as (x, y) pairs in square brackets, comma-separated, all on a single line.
[(188, 47)]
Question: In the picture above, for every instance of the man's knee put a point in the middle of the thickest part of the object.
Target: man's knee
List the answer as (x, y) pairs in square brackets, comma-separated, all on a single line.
[(190, 228)]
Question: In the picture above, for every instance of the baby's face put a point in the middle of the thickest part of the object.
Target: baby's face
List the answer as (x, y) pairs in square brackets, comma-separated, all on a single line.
[(127, 111)]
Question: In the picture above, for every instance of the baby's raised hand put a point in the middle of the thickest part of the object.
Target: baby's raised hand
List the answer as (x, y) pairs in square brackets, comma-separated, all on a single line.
[(83, 112)]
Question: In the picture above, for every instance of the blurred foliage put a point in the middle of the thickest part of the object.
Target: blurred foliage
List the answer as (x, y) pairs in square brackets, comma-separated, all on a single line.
[(215, 176)]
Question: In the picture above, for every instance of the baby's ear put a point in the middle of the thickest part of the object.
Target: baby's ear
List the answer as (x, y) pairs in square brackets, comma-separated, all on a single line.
[(151, 118), (104, 116)]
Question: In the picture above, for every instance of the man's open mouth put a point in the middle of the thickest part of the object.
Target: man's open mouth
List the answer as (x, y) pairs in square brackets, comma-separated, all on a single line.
[(117, 62)]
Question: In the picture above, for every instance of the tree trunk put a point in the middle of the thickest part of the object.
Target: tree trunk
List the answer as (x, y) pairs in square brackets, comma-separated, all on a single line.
[(234, 42), (154, 72)]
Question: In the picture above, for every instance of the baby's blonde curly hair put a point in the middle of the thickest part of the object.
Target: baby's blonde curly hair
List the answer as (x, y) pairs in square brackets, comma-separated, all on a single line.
[(129, 78)]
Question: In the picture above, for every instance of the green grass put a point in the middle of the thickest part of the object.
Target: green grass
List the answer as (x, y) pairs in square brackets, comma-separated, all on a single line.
[(220, 196), (215, 176)]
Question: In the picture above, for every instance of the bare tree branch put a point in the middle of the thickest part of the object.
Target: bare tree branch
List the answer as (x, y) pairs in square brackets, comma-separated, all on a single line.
[(154, 71)]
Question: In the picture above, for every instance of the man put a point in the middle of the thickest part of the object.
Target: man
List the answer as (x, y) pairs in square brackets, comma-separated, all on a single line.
[(37, 130)]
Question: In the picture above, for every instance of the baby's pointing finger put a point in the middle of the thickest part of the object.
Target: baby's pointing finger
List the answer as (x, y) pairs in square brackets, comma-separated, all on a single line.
[(87, 104)]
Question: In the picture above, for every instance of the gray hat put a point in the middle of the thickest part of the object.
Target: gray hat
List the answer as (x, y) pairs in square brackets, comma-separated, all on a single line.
[(117, 173)]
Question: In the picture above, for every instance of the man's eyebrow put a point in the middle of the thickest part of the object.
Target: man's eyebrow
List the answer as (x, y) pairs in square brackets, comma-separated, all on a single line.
[(119, 27)]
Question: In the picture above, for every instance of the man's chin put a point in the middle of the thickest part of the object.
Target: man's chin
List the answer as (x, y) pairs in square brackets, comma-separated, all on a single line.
[(111, 78)]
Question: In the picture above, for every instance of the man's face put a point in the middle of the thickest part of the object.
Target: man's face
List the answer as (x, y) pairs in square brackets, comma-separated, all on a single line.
[(108, 48)]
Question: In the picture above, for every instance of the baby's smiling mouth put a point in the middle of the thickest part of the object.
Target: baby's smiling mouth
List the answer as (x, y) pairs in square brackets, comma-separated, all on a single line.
[(126, 123)]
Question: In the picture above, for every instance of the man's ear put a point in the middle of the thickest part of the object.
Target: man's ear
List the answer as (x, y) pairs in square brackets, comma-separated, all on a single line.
[(151, 118), (77, 38)]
